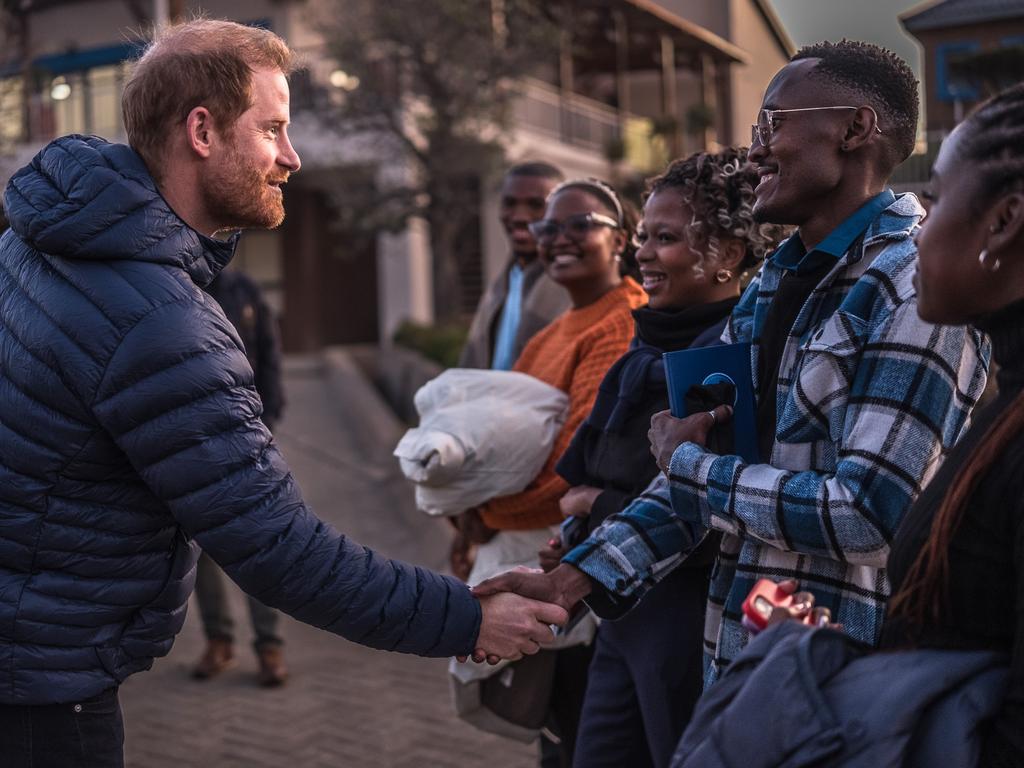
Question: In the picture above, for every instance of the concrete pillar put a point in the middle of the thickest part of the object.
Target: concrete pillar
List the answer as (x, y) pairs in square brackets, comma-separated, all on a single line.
[(669, 91), (405, 282), (709, 97)]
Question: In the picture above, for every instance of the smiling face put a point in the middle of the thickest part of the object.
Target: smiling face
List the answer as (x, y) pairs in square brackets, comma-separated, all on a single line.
[(522, 202), (675, 274), (589, 260), (242, 185), (802, 168)]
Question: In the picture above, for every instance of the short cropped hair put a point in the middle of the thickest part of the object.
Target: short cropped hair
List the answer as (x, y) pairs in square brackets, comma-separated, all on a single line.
[(205, 63), (882, 78), (536, 169)]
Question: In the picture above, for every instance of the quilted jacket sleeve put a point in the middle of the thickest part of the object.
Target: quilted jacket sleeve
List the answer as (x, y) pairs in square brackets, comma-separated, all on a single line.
[(177, 397)]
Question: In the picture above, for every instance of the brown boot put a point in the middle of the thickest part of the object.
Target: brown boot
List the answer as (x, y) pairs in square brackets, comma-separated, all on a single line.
[(218, 657), (273, 671)]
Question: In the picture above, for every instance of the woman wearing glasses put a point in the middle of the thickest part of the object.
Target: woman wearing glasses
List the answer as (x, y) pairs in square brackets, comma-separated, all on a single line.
[(584, 242), (696, 239)]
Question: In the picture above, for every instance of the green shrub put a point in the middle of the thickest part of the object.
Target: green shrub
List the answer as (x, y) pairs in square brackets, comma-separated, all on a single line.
[(440, 343)]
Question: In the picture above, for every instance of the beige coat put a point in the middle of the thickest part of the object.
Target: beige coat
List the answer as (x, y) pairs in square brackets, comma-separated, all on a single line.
[(543, 301)]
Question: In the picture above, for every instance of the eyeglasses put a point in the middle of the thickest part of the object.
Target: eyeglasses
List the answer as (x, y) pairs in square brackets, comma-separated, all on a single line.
[(575, 227), (761, 132)]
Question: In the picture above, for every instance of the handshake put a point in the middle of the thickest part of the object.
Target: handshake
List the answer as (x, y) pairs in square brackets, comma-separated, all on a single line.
[(521, 608)]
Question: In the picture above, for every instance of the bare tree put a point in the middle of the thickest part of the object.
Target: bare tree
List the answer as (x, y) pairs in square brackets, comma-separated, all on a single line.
[(436, 81)]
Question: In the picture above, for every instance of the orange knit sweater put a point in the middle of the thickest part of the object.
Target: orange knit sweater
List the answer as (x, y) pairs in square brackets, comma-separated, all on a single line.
[(573, 354)]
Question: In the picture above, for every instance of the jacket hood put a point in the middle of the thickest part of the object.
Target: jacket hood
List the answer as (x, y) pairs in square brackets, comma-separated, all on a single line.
[(83, 197)]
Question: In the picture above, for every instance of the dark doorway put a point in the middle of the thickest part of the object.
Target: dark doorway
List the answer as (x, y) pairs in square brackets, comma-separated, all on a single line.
[(330, 278)]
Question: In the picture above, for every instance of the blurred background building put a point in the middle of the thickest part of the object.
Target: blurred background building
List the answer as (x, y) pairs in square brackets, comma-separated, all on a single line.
[(618, 88), (970, 49)]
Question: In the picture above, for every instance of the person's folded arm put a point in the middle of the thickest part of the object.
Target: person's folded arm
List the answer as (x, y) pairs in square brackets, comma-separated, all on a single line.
[(908, 401)]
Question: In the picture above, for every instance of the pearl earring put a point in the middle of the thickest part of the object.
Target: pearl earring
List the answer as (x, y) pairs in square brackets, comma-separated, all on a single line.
[(985, 265)]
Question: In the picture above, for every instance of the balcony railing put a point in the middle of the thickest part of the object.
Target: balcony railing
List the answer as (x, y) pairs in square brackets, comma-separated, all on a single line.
[(585, 123)]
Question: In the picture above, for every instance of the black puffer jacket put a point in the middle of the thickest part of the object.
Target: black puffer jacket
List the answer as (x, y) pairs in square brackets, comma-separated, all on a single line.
[(128, 425)]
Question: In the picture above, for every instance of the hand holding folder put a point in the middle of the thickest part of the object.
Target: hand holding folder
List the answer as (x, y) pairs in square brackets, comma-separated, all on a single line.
[(708, 366)]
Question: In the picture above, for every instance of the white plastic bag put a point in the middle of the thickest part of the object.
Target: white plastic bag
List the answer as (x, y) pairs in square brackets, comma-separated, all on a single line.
[(482, 434)]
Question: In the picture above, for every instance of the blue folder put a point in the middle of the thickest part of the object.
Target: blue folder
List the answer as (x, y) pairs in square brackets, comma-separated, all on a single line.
[(728, 363)]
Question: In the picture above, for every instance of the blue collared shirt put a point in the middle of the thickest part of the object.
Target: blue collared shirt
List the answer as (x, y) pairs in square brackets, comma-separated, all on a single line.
[(793, 255), (508, 324)]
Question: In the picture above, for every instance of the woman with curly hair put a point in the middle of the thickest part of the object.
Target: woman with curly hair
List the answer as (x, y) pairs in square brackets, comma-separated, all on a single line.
[(697, 238)]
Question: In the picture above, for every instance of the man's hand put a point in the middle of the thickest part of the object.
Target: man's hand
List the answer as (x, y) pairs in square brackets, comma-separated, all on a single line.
[(578, 501), (802, 609), (512, 626), (565, 586), (667, 432)]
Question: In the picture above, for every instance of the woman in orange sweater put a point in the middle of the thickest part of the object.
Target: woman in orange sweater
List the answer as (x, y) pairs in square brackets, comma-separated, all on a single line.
[(584, 243)]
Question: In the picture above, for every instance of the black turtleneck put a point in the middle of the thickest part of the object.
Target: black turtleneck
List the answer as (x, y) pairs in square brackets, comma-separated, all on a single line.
[(985, 609)]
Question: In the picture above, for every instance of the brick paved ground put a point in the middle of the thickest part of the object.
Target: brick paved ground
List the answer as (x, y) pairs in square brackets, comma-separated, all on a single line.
[(345, 705)]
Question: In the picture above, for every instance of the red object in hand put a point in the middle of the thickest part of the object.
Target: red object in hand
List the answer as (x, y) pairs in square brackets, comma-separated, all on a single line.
[(762, 600)]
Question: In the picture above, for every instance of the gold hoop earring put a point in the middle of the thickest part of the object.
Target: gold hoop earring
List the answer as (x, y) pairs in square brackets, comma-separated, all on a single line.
[(723, 276), (985, 265)]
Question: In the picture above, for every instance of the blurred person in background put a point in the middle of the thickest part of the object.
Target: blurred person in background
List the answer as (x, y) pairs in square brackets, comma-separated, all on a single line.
[(244, 305)]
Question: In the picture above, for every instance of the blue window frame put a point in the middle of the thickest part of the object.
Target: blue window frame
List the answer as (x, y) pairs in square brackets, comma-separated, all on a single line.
[(947, 87)]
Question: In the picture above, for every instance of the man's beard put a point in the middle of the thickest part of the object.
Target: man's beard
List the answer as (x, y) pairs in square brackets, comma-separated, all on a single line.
[(238, 196)]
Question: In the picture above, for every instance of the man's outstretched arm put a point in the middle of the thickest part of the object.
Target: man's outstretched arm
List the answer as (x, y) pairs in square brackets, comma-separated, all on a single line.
[(177, 397)]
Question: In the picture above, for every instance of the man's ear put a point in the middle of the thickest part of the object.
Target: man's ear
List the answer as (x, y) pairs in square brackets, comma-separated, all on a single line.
[(861, 128), (1006, 225), (199, 126)]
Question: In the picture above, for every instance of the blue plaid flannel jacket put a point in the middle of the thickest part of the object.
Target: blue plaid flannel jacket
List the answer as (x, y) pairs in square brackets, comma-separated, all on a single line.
[(870, 398)]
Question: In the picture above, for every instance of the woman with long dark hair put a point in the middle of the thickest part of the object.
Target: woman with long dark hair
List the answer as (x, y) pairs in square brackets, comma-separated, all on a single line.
[(957, 563)]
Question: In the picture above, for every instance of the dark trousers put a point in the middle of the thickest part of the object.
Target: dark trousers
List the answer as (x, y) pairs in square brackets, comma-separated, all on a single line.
[(567, 691), (646, 676), (79, 734), (216, 616)]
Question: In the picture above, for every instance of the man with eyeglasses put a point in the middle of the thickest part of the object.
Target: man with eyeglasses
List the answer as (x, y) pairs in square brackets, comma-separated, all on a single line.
[(858, 400)]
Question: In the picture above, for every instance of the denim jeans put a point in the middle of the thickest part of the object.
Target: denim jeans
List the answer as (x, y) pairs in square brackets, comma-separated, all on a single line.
[(79, 734), (213, 608)]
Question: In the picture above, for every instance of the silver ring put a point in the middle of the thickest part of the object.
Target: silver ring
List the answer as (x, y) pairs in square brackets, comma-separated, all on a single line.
[(714, 419)]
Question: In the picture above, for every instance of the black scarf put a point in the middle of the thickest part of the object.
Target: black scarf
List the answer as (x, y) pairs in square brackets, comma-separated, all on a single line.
[(640, 371)]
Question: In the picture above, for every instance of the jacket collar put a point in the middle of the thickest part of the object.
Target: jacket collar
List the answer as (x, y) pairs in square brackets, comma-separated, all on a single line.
[(85, 198)]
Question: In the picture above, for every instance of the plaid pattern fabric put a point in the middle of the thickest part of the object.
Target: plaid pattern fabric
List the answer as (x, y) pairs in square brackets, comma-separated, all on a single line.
[(870, 398)]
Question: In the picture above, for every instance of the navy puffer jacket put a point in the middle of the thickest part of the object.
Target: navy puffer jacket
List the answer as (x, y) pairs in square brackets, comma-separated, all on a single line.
[(128, 425)]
